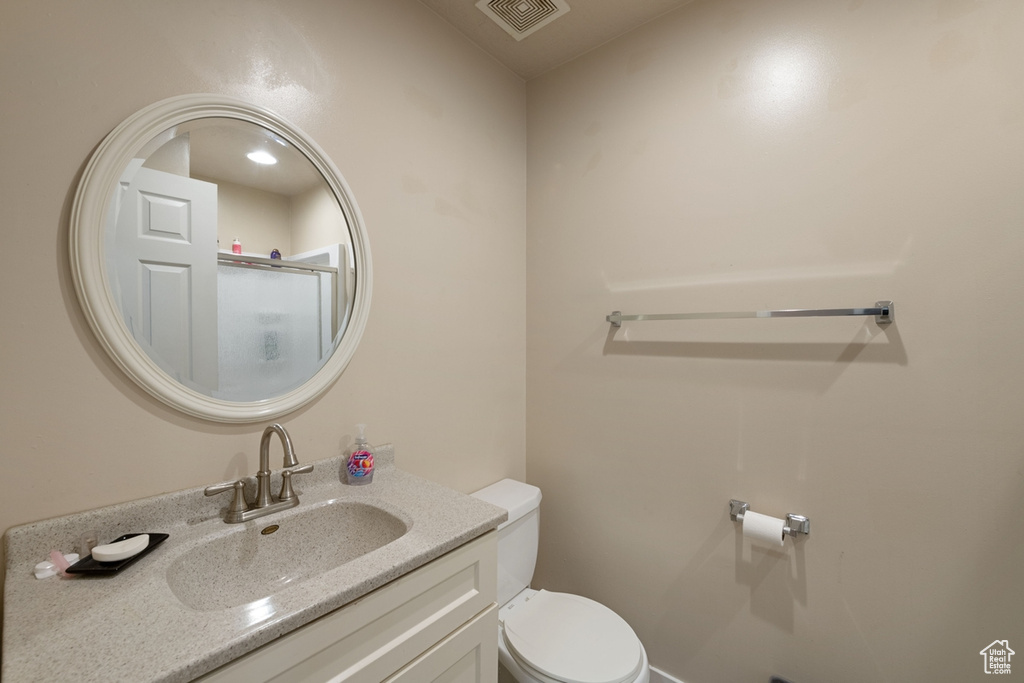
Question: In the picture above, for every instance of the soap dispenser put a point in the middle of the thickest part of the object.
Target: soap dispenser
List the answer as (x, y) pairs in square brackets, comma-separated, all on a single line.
[(360, 462)]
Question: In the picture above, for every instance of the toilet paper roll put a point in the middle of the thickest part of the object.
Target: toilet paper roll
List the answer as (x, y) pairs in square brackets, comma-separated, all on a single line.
[(763, 529)]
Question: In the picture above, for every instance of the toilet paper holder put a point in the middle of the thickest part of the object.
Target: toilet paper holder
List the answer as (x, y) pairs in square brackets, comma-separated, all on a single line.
[(795, 524)]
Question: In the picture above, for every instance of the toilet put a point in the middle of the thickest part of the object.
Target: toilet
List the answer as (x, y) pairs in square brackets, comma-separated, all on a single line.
[(546, 637)]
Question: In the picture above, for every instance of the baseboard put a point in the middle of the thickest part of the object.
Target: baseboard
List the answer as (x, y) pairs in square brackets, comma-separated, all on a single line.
[(659, 676)]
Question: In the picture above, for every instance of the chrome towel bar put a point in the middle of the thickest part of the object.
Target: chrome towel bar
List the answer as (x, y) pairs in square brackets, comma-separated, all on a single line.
[(883, 311)]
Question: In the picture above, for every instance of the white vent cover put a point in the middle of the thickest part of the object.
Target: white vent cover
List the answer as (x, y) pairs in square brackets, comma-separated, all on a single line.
[(520, 18)]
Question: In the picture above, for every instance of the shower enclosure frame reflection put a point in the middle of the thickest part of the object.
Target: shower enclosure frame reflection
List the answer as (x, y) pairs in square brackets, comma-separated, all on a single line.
[(93, 202)]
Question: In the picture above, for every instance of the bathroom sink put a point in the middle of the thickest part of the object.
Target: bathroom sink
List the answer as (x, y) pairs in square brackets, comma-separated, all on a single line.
[(255, 561)]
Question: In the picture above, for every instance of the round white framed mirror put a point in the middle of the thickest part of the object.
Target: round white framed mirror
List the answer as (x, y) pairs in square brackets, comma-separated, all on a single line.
[(220, 258)]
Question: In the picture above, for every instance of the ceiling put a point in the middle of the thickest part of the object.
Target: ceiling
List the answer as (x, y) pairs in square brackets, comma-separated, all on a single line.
[(588, 23), (217, 150)]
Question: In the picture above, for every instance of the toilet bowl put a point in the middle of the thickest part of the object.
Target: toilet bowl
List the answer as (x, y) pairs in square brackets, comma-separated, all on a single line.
[(567, 638), (547, 637)]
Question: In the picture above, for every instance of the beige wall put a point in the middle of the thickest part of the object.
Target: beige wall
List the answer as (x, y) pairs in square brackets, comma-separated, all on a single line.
[(743, 155), (316, 221), (431, 139), (731, 155), (259, 220)]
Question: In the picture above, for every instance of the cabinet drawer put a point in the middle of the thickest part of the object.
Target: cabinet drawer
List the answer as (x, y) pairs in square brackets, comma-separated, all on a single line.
[(371, 638), (470, 655)]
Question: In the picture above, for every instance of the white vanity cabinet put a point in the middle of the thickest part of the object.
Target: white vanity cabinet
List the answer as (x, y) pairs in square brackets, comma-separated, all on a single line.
[(436, 623)]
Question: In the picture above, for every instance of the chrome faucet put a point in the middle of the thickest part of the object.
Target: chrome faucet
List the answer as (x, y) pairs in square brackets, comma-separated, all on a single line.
[(264, 503)]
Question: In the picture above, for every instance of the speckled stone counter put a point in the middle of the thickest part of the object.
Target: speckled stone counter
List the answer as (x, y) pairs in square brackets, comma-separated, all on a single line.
[(133, 627)]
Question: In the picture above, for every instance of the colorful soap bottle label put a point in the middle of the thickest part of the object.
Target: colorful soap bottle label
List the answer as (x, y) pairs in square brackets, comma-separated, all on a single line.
[(360, 464)]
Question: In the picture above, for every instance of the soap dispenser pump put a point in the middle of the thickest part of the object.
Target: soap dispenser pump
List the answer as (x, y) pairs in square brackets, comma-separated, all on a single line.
[(360, 462)]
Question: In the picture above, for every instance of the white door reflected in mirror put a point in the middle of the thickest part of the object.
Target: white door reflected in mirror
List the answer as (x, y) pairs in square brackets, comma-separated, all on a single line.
[(165, 232)]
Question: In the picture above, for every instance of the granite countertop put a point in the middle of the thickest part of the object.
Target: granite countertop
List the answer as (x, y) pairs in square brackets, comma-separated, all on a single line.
[(131, 626)]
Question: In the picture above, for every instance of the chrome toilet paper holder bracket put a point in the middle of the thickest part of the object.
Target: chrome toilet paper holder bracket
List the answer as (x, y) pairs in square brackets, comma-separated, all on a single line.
[(795, 524)]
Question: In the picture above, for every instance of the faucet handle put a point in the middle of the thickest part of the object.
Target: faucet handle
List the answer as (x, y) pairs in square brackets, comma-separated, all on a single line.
[(287, 493), (237, 501)]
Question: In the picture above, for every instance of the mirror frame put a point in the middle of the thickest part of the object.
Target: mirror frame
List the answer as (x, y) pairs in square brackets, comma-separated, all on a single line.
[(88, 258)]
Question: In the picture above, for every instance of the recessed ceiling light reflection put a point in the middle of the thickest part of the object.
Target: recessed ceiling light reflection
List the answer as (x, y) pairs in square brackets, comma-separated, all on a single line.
[(261, 157)]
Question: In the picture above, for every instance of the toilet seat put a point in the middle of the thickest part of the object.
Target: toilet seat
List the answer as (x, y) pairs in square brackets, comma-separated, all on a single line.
[(573, 639)]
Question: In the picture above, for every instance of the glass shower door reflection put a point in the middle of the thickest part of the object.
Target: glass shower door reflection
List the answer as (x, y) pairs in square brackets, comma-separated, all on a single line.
[(269, 324)]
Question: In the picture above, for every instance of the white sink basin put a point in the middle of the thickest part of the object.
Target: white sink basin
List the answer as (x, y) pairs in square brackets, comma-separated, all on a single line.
[(247, 565)]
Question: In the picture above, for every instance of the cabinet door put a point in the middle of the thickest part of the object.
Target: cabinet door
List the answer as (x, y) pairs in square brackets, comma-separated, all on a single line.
[(469, 655)]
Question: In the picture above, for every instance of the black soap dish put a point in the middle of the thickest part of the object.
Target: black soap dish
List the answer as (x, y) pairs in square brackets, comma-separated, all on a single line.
[(87, 565)]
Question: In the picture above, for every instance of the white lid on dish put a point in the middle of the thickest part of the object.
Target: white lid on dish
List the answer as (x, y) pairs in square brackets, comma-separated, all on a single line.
[(573, 639)]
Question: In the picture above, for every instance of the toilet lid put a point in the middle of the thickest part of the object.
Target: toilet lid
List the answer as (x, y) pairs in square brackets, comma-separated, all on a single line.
[(573, 639)]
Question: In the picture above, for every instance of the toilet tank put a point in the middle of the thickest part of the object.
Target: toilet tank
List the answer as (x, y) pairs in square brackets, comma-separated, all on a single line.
[(518, 537)]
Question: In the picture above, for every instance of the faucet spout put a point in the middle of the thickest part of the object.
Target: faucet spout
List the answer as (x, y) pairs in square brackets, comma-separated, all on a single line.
[(286, 441), (263, 498)]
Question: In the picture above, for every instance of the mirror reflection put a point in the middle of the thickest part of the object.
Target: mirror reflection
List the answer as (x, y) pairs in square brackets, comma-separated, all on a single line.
[(231, 259)]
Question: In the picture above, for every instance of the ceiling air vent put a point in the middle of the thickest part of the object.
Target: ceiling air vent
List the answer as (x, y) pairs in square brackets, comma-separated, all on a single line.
[(520, 18)]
